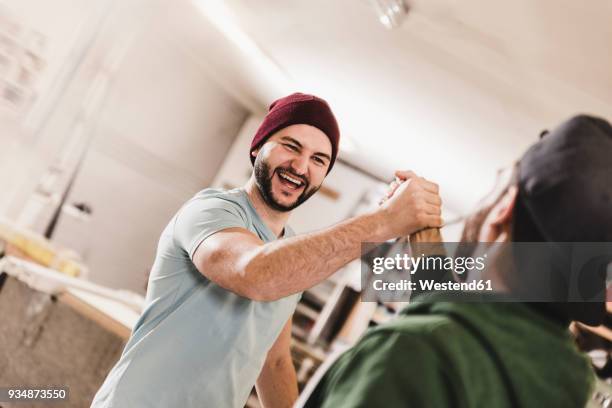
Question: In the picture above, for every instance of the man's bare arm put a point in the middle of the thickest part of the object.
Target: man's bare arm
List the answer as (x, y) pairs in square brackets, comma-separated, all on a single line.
[(240, 262), (277, 382)]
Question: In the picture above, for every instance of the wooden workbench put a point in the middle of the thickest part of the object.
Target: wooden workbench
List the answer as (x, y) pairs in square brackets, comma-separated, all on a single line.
[(56, 340)]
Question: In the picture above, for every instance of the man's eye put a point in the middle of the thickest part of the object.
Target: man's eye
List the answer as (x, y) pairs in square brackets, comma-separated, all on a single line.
[(318, 161), (291, 147)]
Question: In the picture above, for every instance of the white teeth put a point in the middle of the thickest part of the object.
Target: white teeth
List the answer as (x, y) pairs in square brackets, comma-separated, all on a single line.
[(291, 179)]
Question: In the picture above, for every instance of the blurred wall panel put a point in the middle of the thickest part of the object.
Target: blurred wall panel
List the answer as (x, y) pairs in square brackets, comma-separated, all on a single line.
[(160, 135), (41, 45), (165, 131)]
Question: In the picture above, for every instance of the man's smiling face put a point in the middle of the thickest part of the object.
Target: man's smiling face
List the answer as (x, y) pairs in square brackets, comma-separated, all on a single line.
[(291, 165)]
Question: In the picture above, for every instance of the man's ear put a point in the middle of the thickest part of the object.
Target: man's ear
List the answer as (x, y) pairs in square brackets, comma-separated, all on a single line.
[(503, 210), (255, 152)]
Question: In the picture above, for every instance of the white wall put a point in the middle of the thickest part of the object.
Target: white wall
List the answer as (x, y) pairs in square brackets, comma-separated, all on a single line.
[(67, 27), (160, 129)]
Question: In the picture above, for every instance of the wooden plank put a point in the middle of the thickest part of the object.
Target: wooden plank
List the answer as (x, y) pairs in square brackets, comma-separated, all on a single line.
[(96, 315)]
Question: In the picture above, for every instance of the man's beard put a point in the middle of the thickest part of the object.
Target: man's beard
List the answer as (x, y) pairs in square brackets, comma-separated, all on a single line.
[(263, 179)]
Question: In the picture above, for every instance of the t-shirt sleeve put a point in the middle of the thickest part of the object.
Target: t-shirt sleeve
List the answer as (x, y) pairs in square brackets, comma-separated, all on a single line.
[(385, 370), (200, 218)]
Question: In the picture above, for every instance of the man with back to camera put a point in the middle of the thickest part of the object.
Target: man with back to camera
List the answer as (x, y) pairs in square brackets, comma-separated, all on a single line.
[(506, 354), (223, 286)]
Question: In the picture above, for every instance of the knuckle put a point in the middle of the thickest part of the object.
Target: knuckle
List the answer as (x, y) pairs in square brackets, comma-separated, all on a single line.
[(406, 173)]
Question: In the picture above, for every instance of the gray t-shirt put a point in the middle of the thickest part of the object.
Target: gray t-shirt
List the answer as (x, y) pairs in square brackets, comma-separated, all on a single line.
[(196, 344)]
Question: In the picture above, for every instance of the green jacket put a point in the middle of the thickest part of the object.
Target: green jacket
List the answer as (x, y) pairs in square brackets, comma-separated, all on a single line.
[(443, 354)]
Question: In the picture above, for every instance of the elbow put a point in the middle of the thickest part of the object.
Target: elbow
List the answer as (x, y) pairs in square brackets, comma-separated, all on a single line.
[(261, 296), (257, 293), (250, 291)]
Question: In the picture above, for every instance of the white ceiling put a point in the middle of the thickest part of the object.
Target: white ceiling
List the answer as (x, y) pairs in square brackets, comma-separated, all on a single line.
[(460, 89)]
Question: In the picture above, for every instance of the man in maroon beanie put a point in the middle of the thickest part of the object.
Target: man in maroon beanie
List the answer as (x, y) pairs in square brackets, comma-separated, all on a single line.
[(228, 272)]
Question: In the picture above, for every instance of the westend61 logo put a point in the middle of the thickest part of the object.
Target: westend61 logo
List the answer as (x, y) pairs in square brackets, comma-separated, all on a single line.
[(459, 265)]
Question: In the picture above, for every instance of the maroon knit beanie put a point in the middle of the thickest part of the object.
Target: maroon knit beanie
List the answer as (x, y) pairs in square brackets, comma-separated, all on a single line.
[(298, 109)]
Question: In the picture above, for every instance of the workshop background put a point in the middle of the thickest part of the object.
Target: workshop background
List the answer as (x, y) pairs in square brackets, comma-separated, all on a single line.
[(113, 113)]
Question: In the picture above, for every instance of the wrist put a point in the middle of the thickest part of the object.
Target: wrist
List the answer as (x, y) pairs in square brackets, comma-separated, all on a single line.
[(379, 229)]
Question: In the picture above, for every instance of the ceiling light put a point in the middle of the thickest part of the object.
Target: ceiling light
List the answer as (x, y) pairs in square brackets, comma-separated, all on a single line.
[(391, 13)]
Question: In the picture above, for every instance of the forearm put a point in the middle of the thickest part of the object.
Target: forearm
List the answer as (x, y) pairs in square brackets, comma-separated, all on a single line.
[(239, 261), (292, 265), (277, 384)]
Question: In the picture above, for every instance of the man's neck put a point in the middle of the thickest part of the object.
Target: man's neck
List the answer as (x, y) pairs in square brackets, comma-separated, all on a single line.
[(275, 220)]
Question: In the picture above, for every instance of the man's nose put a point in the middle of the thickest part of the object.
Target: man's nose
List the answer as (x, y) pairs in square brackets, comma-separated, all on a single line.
[(300, 164)]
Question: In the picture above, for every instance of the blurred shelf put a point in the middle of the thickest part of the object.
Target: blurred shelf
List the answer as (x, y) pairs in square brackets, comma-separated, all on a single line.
[(307, 311), (298, 332), (316, 353)]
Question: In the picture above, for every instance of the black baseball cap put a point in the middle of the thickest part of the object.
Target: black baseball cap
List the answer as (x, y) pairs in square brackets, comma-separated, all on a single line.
[(565, 181), (565, 190)]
